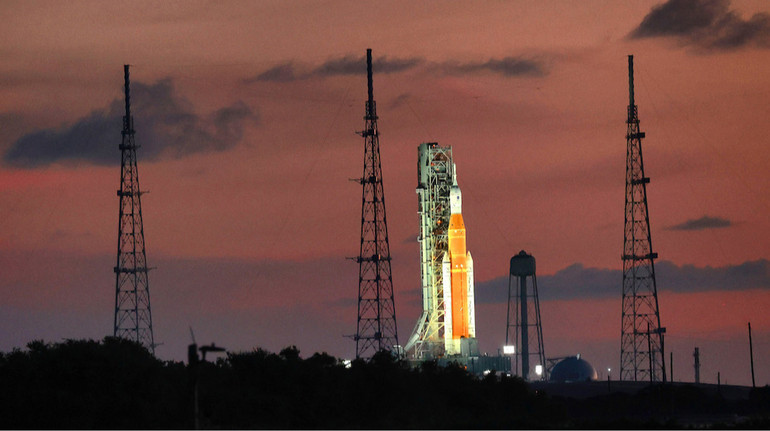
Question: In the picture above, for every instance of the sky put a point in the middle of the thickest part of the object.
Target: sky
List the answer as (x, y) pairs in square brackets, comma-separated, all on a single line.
[(246, 114)]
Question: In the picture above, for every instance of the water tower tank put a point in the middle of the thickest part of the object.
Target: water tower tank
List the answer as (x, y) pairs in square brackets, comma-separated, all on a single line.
[(523, 265)]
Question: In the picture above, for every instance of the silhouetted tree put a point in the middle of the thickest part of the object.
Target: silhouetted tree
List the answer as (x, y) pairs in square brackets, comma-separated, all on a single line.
[(116, 383)]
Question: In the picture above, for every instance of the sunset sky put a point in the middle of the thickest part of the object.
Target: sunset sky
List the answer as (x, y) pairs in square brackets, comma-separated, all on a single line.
[(246, 114)]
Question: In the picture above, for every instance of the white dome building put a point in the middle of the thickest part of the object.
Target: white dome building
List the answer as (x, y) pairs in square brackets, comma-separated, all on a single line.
[(573, 369)]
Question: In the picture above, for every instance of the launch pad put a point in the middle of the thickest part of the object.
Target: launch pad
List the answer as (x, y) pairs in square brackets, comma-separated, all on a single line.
[(446, 329), (447, 325)]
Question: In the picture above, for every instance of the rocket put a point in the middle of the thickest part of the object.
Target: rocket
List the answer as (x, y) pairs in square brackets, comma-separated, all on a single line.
[(457, 269)]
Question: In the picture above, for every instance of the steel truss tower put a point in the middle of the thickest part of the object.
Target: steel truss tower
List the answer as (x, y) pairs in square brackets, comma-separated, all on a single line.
[(133, 319), (642, 355), (435, 176), (376, 326), (527, 327)]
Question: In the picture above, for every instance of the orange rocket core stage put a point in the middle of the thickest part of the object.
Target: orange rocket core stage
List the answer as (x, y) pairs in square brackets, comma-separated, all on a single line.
[(458, 261)]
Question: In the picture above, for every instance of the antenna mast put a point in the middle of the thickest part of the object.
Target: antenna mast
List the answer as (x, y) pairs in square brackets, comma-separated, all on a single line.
[(641, 349), (133, 319), (376, 326)]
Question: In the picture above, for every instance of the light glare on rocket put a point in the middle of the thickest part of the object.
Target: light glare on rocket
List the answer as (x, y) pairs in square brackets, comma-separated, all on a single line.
[(457, 266)]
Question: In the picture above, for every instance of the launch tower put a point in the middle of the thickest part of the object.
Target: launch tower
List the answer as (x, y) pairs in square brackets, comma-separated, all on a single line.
[(447, 325), (133, 319), (376, 326), (641, 349)]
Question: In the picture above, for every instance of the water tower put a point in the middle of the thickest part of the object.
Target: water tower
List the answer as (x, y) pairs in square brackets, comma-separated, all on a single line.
[(527, 336)]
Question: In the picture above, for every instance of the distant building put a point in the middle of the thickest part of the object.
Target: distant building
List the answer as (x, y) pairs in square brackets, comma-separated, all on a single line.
[(573, 369)]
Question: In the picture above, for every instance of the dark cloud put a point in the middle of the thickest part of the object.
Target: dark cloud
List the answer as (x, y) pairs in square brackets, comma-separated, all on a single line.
[(572, 282), (352, 65), (702, 223), (707, 24), (282, 73), (13, 125), (680, 18), (578, 282), (347, 65), (165, 123), (386, 65), (507, 66), (689, 278)]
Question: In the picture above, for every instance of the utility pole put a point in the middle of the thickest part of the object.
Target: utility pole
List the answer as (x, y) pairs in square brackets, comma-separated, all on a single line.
[(133, 317), (376, 325), (641, 342), (649, 353), (671, 367), (751, 354), (696, 355)]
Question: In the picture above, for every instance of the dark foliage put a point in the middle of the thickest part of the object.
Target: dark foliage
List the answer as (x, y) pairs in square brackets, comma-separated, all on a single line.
[(90, 384), (117, 384)]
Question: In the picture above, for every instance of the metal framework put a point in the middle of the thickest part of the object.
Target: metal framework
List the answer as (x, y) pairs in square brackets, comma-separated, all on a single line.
[(435, 176), (527, 333), (133, 318), (642, 355), (376, 326)]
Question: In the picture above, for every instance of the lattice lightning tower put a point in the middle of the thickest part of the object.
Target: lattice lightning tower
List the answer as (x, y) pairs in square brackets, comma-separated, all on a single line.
[(133, 319), (641, 349), (376, 326)]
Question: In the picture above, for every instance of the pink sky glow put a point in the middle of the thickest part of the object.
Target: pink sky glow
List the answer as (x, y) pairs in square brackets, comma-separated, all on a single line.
[(251, 212)]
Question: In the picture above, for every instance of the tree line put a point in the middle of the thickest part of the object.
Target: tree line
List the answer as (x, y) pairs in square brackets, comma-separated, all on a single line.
[(117, 384)]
